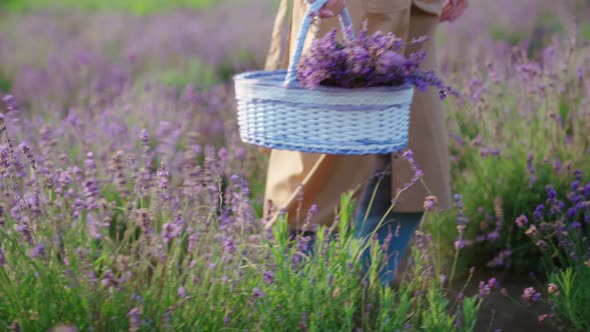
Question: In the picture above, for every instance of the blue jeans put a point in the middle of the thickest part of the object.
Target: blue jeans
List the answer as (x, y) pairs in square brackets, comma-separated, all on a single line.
[(401, 226)]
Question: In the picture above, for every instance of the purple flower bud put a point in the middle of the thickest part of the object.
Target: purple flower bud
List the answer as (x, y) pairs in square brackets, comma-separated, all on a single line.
[(390, 60), (530, 294), (430, 203), (2, 258), (257, 293), (521, 221), (144, 137), (38, 251), (181, 292), (192, 240), (532, 231), (539, 212), (493, 236), (459, 244), (484, 289), (269, 277), (134, 319), (229, 245)]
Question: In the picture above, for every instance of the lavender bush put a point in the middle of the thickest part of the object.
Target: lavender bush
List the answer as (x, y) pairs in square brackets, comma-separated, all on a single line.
[(130, 243), (519, 126), (560, 230)]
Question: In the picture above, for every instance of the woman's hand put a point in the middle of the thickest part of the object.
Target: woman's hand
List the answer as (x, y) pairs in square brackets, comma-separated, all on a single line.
[(332, 8), (453, 9)]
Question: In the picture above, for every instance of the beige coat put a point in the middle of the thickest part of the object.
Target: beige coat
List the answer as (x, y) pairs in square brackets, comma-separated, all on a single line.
[(296, 180)]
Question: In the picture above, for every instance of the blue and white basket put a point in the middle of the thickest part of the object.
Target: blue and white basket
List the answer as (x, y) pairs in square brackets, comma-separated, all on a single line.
[(275, 111)]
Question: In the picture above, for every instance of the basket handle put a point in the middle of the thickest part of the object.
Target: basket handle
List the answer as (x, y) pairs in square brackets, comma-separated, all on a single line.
[(315, 7)]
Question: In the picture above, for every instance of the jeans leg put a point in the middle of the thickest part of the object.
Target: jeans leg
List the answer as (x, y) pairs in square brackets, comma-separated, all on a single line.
[(401, 225)]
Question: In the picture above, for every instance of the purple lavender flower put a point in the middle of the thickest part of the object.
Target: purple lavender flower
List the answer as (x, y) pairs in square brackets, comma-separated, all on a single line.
[(532, 231), (303, 322), (171, 231), (493, 283), (93, 227), (521, 221), (257, 293), (459, 244), (181, 292), (38, 251), (163, 181), (389, 59), (9, 103), (485, 288), (144, 221), (192, 240), (108, 279), (91, 184), (418, 173), (136, 297), (2, 258), (530, 294), (539, 212), (134, 319), (572, 212), (229, 245), (500, 259), (26, 150), (430, 203), (302, 244), (531, 170), (269, 277), (493, 236)]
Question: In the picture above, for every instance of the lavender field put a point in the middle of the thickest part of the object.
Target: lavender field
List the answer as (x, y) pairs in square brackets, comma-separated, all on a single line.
[(128, 202)]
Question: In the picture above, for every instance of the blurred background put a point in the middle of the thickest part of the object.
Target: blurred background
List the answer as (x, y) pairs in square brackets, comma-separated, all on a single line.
[(91, 75), (166, 66), (203, 42)]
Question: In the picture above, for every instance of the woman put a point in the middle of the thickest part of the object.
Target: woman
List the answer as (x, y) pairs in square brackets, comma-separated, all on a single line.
[(297, 181)]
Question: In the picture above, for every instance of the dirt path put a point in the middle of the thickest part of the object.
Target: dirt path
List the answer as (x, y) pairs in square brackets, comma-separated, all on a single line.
[(507, 313)]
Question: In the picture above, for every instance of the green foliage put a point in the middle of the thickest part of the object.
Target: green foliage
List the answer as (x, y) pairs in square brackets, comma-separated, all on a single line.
[(5, 84), (516, 135), (102, 283), (543, 29), (139, 7), (572, 299), (193, 73), (585, 31)]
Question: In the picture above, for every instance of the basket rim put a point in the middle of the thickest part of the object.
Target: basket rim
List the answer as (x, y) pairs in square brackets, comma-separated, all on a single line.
[(361, 149), (277, 78)]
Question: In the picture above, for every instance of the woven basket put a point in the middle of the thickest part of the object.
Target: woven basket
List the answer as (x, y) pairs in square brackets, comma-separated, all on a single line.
[(275, 111)]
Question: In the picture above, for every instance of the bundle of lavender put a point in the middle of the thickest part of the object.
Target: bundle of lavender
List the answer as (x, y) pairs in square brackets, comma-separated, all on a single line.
[(365, 61)]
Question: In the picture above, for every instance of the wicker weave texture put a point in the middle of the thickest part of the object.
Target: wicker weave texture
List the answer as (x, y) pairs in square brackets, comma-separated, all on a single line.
[(328, 120)]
